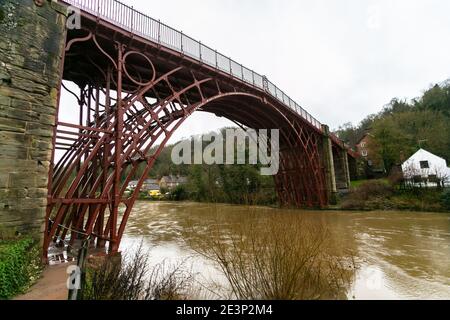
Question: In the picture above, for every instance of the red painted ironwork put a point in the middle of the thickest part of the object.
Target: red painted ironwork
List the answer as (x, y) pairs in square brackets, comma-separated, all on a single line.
[(136, 90)]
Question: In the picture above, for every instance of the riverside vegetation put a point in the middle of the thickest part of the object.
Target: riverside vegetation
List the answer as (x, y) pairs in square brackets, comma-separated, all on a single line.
[(386, 195), (131, 278), (235, 184), (20, 264)]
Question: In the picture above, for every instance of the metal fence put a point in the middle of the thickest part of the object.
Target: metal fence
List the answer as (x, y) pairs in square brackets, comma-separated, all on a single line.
[(142, 25)]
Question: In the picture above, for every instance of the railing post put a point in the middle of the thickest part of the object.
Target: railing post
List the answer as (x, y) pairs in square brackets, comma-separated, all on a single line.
[(200, 49), (132, 19), (231, 67), (159, 31), (265, 83), (217, 60), (182, 41), (242, 72), (253, 77)]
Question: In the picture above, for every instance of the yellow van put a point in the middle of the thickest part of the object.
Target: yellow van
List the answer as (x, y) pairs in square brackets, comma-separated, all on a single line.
[(155, 194)]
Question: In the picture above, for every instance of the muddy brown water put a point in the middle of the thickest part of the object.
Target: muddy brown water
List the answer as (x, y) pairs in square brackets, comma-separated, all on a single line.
[(401, 255)]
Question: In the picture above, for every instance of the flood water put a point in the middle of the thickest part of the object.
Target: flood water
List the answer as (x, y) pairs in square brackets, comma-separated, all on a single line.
[(400, 255)]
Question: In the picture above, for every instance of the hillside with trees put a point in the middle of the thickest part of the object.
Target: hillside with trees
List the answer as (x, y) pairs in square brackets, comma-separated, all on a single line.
[(403, 127), (236, 184)]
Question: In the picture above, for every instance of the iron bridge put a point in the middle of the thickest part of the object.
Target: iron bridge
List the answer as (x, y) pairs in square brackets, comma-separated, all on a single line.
[(139, 80)]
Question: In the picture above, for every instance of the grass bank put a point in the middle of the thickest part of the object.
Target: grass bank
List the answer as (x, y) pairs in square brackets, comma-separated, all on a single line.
[(382, 195)]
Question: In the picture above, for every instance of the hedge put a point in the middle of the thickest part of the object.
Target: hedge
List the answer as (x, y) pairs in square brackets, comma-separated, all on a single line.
[(19, 266), (445, 199)]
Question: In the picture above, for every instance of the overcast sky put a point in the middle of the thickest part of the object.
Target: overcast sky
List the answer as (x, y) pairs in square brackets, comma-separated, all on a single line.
[(340, 59)]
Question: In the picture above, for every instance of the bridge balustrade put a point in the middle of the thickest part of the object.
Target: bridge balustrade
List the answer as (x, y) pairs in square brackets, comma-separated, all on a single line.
[(131, 20)]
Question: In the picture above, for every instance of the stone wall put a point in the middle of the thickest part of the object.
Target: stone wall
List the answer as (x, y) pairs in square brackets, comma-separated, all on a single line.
[(31, 48)]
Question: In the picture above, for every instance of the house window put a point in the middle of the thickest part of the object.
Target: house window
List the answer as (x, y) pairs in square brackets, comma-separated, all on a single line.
[(364, 153), (424, 165), (363, 145)]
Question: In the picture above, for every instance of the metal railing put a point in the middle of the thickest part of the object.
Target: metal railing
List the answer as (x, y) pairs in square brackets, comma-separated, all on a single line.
[(142, 25)]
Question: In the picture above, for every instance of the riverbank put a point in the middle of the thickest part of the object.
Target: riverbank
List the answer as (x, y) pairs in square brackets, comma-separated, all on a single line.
[(400, 204), (367, 195), (380, 195)]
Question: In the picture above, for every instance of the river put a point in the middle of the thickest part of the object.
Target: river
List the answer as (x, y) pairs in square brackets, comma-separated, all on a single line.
[(400, 255)]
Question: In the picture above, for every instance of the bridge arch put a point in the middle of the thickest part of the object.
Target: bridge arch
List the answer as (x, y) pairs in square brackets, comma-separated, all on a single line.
[(129, 101)]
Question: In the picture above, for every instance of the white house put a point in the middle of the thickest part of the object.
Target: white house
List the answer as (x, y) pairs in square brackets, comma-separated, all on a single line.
[(426, 169)]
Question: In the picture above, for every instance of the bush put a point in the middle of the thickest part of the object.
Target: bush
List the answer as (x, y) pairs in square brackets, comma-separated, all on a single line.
[(372, 189), (445, 199), (179, 193), (353, 204), (373, 194), (19, 266), (114, 279), (280, 258), (396, 178)]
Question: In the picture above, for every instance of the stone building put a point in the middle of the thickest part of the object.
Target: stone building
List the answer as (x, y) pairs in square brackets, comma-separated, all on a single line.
[(171, 182), (370, 166)]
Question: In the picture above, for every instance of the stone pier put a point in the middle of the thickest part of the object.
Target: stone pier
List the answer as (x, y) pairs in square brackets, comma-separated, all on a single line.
[(336, 165), (341, 167), (328, 161), (31, 53)]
